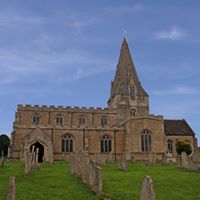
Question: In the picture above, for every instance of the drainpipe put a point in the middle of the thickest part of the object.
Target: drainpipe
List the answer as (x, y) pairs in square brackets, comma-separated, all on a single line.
[(115, 151)]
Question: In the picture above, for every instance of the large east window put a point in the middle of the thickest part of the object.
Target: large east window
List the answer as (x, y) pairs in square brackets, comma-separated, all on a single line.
[(146, 141)]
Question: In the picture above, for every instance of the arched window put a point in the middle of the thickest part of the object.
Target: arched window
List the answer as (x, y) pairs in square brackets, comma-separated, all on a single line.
[(169, 146), (36, 118), (103, 121), (146, 140), (106, 145), (81, 120), (133, 112), (67, 143), (132, 91), (59, 119)]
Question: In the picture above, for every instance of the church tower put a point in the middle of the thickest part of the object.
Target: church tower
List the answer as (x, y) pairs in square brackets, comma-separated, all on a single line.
[(127, 94)]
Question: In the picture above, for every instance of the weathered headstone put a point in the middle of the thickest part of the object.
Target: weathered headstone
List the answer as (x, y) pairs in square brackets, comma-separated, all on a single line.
[(152, 159), (8, 156), (122, 163), (11, 188), (133, 160), (100, 159), (37, 154), (178, 161), (27, 161), (147, 189), (184, 160)]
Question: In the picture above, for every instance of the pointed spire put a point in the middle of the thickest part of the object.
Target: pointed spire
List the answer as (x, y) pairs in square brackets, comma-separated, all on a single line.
[(126, 74)]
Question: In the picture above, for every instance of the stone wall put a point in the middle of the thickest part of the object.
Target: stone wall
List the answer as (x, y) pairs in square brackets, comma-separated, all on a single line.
[(134, 128), (89, 171), (11, 188)]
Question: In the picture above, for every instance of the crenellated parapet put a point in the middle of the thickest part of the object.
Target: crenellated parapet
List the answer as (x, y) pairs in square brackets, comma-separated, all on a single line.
[(58, 108)]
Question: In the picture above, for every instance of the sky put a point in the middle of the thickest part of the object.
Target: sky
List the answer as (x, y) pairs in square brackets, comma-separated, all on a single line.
[(65, 53)]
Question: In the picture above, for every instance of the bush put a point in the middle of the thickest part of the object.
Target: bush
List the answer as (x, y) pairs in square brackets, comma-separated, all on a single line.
[(4, 144), (183, 146)]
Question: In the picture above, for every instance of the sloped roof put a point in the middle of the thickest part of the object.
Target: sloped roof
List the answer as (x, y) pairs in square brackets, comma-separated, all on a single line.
[(177, 127), (125, 73)]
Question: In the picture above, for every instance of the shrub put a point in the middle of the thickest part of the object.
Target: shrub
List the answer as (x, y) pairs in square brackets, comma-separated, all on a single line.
[(183, 146), (4, 144)]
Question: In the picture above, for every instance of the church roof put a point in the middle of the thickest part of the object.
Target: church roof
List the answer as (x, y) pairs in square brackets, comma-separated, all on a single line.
[(126, 73), (177, 127)]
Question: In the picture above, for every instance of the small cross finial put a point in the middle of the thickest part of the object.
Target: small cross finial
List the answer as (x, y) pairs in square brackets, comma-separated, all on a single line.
[(124, 34)]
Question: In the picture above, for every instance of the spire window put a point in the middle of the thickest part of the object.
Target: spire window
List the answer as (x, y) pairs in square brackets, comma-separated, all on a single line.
[(132, 91)]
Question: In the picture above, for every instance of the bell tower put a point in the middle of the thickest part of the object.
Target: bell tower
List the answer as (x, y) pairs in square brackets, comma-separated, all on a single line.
[(127, 94)]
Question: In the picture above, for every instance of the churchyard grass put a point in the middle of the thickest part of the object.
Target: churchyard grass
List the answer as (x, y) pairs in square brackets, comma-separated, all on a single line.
[(170, 183), (55, 182), (49, 182)]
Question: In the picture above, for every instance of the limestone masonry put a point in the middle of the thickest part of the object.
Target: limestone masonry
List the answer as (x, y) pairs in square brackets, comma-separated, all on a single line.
[(124, 128)]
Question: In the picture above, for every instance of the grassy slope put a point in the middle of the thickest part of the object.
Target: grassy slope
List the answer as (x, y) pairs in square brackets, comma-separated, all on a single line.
[(170, 183), (55, 183)]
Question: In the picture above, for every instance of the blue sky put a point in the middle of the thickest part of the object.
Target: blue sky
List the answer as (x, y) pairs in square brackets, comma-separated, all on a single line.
[(65, 52)]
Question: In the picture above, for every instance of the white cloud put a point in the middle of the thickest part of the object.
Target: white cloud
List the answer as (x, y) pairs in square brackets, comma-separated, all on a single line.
[(124, 9), (70, 64), (8, 19), (178, 90), (173, 33), (80, 24)]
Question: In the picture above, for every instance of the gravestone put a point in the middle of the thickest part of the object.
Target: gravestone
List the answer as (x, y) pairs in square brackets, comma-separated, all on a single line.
[(122, 163), (133, 160), (152, 159), (147, 189), (27, 161), (184, 160), (100, 159), (109, 158), (178, 161), (37, 154), (11, 188), (8, 156)]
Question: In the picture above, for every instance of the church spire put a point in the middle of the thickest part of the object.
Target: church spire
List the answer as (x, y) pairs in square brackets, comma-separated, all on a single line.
[(126, 74), (126, 88)]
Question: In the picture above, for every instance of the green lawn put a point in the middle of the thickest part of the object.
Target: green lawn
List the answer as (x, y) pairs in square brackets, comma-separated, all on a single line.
[(170, 183), (49, 183), (55, 183)]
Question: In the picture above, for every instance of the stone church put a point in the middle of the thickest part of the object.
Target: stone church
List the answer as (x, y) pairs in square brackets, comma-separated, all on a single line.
[(124, 127)]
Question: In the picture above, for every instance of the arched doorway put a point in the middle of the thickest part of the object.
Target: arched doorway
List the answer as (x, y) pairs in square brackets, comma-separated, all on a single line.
[(40, 148)]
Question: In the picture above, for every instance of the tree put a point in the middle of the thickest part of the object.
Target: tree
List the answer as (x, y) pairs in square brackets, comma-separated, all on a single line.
[(4, 144), (183, 146)]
